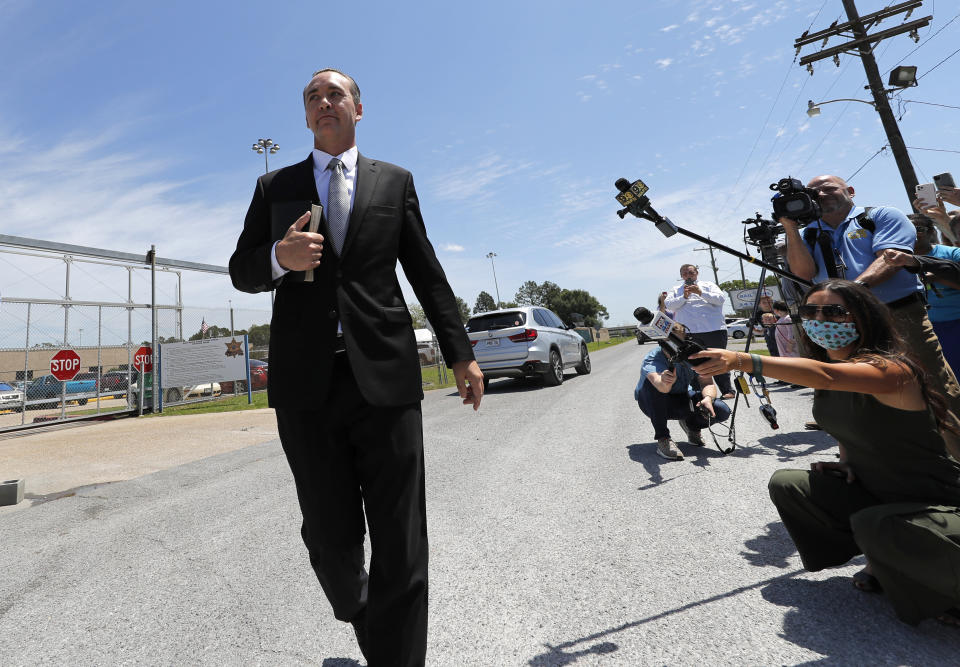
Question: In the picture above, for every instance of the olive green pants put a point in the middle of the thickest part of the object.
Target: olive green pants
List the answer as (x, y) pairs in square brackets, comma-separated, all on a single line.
[(913, 548)]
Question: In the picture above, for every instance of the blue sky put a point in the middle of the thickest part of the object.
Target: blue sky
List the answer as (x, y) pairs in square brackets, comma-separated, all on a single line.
[(129, 124)]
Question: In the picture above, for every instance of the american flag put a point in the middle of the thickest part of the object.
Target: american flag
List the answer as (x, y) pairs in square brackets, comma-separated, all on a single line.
[(203, 327)]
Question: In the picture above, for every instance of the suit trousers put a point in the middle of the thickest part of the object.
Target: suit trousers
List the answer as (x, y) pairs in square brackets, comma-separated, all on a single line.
[(351, 459)]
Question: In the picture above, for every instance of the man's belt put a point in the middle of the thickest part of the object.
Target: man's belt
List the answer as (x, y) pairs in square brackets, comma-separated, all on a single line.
[(905, 301)]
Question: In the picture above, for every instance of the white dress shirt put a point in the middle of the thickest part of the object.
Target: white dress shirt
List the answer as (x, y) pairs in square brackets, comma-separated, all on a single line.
[(322, 175), (700, 312)]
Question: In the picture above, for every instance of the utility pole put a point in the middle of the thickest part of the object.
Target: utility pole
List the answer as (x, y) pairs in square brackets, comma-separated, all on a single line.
[(713, 263), (863, 44)]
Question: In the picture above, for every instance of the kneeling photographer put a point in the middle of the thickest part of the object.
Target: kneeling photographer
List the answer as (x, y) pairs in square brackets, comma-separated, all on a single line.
[(671, 389)]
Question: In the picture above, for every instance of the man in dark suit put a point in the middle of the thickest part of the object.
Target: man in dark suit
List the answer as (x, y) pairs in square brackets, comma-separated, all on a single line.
[(344, 373)]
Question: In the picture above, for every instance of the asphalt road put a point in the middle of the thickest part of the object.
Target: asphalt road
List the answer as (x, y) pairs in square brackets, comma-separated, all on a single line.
[(558, 537)]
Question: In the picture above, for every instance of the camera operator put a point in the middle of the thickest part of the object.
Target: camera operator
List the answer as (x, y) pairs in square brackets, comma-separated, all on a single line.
[(943, 293), (698, 306), (854, 241), (667, 391)]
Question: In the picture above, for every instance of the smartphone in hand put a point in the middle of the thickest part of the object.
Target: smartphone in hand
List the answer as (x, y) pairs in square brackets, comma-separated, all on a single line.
[(927, 194), (943, 180)]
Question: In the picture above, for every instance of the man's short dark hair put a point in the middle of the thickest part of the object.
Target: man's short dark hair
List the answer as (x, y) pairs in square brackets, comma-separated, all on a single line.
[(781, 305), (354, 88), (692, 266)]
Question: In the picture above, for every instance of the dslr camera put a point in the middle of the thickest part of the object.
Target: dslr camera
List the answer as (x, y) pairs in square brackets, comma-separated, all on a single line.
[(795, 201)]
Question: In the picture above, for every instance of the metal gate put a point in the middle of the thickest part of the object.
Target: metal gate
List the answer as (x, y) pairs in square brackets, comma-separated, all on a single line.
[(136, 300)]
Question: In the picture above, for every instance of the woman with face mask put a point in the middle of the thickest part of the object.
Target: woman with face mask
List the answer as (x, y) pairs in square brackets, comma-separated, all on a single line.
[(894, 494)]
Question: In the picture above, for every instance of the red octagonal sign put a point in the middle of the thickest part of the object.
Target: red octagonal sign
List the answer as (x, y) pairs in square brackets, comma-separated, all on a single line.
[(143, 359), (65, 364)]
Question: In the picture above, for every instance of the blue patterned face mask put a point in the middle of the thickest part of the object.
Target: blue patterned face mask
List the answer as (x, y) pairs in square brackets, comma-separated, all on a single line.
[(831, 335)]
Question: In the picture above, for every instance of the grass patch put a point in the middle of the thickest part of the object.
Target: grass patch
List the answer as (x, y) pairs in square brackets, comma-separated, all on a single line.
[(597, 345), (223, 404), (431, 377)]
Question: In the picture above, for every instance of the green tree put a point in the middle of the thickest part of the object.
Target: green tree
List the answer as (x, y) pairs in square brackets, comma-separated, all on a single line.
[(579, 301), (484, 303), (464, 309), (532, 294), (259, 335), (417, 315), (507, 304), (733, 285)]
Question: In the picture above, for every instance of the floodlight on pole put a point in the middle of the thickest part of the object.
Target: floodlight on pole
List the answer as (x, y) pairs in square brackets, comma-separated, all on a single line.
[(490, 256), (266, 147)]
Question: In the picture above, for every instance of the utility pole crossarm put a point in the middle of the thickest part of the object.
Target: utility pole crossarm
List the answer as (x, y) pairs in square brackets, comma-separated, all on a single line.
[(863, 41), (868, 21)]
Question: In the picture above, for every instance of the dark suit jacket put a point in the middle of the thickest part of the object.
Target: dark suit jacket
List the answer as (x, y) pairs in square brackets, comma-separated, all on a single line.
[(359, 288)]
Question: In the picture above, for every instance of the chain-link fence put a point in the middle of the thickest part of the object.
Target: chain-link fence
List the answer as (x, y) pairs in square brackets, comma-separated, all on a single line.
[(105, 307)]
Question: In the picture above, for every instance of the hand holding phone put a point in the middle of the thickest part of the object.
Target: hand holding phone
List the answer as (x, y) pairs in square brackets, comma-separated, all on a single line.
[(927, 195), (943, 180)]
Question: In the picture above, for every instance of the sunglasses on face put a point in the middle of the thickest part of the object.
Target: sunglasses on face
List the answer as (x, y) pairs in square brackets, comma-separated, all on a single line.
[(809, 311)]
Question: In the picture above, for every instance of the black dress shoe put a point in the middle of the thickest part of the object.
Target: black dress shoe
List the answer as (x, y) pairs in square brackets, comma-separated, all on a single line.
[(359, 624)]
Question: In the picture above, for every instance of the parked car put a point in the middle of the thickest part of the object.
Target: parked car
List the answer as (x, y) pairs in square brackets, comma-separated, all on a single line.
[(114, 383), (81, 388), (528, 341), (258, 378), (11, 398), (170, 394), (739, 328), (204, 389), (426, 347)]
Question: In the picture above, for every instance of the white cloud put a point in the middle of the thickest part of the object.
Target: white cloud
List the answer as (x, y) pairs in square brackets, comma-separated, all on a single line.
[(582, 96), (79, 192), (670, 27), (664, 63), (452, 247), (474, 182)]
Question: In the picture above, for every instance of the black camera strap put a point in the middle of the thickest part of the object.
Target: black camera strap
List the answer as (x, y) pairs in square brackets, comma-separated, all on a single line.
[(824, 238)]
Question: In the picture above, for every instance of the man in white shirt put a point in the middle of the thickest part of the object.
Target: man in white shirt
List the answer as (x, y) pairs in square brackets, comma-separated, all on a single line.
[(698, 305)]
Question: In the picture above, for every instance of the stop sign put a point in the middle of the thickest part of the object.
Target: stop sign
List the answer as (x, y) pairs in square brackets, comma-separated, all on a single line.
[(65, 364), (143, 359)]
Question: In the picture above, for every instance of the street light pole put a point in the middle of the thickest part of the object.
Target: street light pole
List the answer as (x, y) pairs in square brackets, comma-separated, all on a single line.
[(267, 148), (490, 256)]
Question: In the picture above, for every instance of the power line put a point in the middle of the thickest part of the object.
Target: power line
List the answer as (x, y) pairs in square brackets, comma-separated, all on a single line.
[(850, 177), (919, 46), (938, 64), (938, 150), (759, 135)]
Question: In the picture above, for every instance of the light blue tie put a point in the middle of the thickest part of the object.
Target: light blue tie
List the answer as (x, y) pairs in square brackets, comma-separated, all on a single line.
[(338, 204)]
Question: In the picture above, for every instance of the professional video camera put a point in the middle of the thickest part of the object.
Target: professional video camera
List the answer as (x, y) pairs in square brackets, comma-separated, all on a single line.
[(795, 201), (660, 329), (764, 232)]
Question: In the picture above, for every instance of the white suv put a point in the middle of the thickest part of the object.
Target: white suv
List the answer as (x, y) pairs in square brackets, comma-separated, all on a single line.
[(526, 341)]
